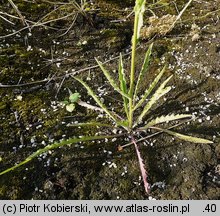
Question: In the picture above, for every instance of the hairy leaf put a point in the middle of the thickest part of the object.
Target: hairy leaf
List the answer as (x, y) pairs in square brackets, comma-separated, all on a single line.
[(151, 88), (139, 12), (123, 84), (89, 106), (111, 80), (95, 108), (95, 97), (187, 138), (158, 94), (123, 123), (143, 69), (54, 146), (167, 118), (98, 124)]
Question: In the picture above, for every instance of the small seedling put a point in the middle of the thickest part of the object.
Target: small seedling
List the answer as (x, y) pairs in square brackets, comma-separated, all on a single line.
[(70, 104)]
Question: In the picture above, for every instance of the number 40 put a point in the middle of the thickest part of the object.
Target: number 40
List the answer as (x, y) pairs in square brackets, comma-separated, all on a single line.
[(210, 208)]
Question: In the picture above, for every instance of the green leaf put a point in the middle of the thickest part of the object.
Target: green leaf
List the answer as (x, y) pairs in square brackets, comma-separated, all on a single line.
[(139, 12), (70, 107), (167, 118), (156, 96), (151, 88), (95, 97), (122, 78), (143, 69), (98, 124), (65, 102), (54, 146), (123, 84), (111, 80), (124, 123), (74, 97), (187, 138)]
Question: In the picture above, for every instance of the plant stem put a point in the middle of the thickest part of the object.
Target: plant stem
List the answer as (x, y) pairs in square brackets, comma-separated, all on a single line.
[(131, 90), (141, 165), (156, 133)]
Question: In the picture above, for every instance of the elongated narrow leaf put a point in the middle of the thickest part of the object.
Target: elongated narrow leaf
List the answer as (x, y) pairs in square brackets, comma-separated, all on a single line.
[(95, 108), (151, 88), (95, 97), (139, 12), (111, 80), (166, 118), (122, 79), (95, 124), (187, 138), (142, 168), (123, 84), (124, 124), (54, 146), (89, 106), (158, 94), (143, 69)]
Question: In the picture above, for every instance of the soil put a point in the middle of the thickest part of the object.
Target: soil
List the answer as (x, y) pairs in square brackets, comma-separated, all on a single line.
[(36, 69)]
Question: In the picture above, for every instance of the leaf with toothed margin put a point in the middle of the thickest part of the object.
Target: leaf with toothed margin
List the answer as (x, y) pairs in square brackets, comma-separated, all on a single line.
[(91, 124), (54, 146), (144, 69), (139, 13), (150, 89), (123, 84), (187, 138), (156, 96), (162, 119), (97, 100), (123, 123), (111, 80)]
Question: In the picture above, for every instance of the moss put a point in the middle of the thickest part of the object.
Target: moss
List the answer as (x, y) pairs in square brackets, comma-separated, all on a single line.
[(17, 62), (125, 3), (2, 105), (33, 8)]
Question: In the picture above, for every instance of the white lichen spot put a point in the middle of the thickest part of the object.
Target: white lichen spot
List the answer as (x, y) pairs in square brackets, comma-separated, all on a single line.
[(84, 42), (19, 98), (208, 118), (151, 198), (113, 165), (39, 126), (29, 48), (58, 64), (114, 131)]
